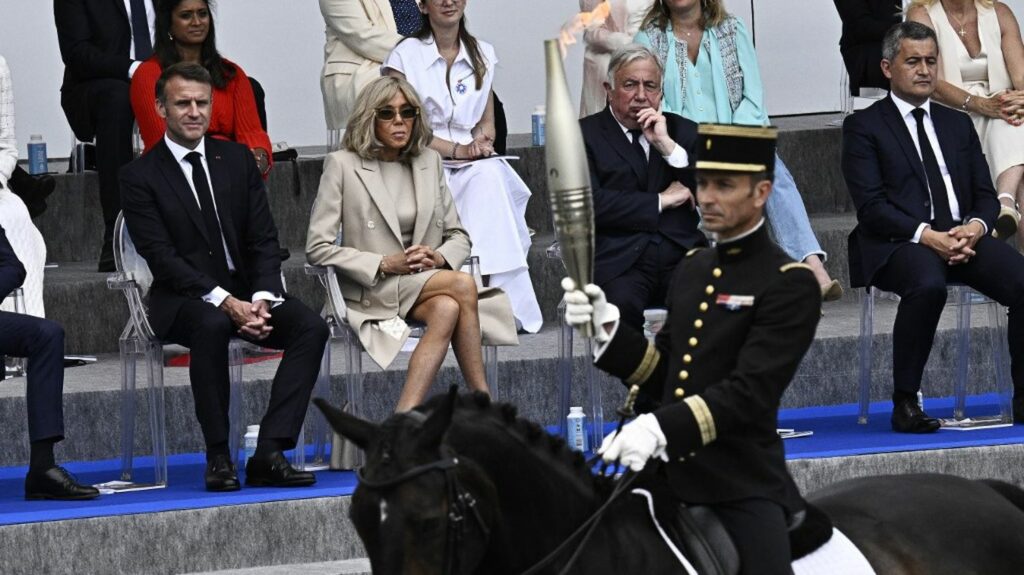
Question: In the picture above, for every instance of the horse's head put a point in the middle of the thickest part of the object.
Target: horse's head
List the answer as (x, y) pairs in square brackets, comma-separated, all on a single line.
[(418, 508)]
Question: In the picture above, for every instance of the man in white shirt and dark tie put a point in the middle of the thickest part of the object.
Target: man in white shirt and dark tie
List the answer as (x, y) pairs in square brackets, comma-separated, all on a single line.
[(197, 211)]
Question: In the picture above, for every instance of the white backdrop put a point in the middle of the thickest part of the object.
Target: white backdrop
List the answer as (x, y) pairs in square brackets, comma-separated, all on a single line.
[(280, 42)]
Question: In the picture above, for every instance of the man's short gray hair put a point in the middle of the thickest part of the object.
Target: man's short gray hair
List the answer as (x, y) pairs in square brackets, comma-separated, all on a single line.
[(627, 55), (905, 31)]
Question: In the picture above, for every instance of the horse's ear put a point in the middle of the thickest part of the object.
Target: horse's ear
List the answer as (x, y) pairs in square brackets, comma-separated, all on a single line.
[(439, 420), (359, 431)]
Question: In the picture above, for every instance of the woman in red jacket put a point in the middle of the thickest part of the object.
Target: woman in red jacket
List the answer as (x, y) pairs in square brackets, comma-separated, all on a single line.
[(185, 33)]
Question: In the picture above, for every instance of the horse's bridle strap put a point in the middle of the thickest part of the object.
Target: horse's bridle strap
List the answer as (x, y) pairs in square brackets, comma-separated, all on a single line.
[(439, 465)]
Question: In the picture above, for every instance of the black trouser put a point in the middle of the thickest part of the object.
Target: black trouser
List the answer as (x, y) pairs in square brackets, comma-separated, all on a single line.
[(645, 284), (206, 331), (758, 528), (102, 109), (42, 342), (919, 276)]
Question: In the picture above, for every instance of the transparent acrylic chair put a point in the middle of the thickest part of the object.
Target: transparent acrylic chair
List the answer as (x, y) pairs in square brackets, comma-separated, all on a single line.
[(963, 299), (335, 313), (15, 366), (138, 342)]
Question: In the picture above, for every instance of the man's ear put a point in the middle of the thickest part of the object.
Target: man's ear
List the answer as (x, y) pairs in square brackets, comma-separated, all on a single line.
[(607, 88), (886, 71), (762, 189), (160, 109)]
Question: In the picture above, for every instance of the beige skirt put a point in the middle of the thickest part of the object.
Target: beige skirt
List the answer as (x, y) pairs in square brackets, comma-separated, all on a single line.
[(383, 339)]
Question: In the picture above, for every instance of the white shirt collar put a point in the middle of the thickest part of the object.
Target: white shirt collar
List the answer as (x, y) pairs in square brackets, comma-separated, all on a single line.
[(179, 152), (463, 54), (906, 107), (622, 127)]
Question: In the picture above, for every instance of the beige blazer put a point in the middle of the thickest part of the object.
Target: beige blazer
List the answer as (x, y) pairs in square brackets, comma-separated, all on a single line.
[(360, 35), (352, 202)]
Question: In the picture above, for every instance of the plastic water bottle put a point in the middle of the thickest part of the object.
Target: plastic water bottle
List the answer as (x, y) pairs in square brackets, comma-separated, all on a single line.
[(37, 163), (538, 121), (577, 429), (252, 436)]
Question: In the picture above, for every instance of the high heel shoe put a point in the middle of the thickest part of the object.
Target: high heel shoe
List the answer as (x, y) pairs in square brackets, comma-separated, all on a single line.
[(1006, 223), (831, 291)]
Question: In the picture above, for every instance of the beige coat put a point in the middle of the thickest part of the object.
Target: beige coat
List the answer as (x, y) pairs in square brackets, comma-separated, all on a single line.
[(352, 198), (360, 34)]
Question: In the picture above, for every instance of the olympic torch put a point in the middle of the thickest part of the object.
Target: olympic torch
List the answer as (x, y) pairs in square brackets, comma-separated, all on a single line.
[(572, 204)]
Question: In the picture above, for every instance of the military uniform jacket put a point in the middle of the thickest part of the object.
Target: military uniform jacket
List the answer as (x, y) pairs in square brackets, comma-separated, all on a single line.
[(740, 318)]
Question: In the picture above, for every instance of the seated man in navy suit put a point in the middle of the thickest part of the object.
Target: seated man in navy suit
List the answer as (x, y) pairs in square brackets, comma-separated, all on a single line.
[(42, 342), (644, 213), (925, 203)]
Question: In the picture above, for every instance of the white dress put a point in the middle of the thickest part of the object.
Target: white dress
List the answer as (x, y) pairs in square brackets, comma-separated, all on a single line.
[(983, 75), (489, 195), (25, 239)]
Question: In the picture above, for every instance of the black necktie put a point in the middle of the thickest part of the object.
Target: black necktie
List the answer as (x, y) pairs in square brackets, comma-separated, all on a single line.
[(140, 30), (213, 232), (943, 219), (637, 146)]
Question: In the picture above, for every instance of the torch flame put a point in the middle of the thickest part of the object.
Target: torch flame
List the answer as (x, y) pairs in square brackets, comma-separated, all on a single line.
[(576, 24)]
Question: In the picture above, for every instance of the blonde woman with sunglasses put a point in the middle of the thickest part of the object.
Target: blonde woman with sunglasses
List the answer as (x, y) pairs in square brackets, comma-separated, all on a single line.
[(402, 244)]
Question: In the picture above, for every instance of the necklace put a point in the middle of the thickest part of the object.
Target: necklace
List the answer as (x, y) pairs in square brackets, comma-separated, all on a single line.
[(961, 32)]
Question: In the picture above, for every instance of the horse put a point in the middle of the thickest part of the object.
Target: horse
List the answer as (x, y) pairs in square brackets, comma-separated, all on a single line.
[(461, 486)]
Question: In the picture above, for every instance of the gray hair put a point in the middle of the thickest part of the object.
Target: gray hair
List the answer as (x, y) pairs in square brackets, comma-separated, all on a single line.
[(627, 55), (907, 30)]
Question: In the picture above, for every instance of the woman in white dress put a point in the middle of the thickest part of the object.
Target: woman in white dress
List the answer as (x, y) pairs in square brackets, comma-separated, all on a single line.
[(981, 71), (452, 71), (619, 27), (26, 240)]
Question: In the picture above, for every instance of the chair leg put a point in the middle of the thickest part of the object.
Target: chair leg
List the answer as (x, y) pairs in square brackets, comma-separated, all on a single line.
[(236, 427), (319, 427), (129, 356), (962, 296), (491, 367), (157, 430), (594, 395), (864, 352), (1001, 361), (565, 360), (351, 457)]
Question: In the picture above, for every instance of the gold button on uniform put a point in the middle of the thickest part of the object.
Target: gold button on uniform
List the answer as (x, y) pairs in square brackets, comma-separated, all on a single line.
[(683, 376), (680, 393), (703, 306), (698, 324), (709, 290), (717, 272), (693, 342), (687, 358)]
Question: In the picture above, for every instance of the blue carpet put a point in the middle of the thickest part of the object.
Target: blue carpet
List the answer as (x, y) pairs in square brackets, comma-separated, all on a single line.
[(836, 434)]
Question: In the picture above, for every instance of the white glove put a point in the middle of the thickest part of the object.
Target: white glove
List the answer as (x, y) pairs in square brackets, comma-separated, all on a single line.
[(640, 440), (589, 307)]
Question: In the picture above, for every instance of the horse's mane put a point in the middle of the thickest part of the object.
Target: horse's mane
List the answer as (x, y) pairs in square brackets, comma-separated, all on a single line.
[(478, 411)]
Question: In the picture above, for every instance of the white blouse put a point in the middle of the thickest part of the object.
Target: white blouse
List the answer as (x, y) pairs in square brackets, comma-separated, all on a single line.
[(452, 110), (8, 145)]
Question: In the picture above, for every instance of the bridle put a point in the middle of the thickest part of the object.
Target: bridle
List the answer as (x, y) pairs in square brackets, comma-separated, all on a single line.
[(460, 503)]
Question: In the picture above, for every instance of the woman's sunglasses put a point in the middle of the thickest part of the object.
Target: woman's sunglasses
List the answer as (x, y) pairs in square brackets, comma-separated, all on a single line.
[(388, 114)]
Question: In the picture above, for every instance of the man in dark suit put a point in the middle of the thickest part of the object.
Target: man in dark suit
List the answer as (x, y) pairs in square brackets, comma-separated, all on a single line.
[(644, 214), (741, 317), (102, 42), (42, 342), (197, 211), (864, 25), (925, 203)]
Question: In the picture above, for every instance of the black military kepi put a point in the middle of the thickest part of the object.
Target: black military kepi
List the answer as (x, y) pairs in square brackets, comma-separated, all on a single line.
[(736, 148)]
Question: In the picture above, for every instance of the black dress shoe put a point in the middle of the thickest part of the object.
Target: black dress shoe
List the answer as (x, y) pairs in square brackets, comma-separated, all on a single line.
[(275, 471), (908, 417), (221, 474), (57, 483)]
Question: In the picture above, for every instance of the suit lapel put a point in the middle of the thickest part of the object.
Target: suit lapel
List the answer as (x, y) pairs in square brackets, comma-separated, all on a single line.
[(369, 174), (424, 188), (899, 129), (179, 186), (619, 141), (220, 183)]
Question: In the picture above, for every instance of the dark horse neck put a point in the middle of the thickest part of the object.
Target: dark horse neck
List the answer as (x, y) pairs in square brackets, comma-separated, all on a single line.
[(545, 491)]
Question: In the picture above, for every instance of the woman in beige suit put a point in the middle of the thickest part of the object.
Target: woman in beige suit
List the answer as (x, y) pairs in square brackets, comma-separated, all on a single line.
[(402, 244), (360, 34)]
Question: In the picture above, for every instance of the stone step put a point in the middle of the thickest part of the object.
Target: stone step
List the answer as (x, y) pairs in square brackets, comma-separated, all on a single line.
[(527, 378), (72, 225)]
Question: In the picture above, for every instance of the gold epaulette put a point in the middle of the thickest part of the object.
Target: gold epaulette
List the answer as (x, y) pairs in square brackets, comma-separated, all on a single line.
[(643, 371), (795, 266), (693, 251)]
